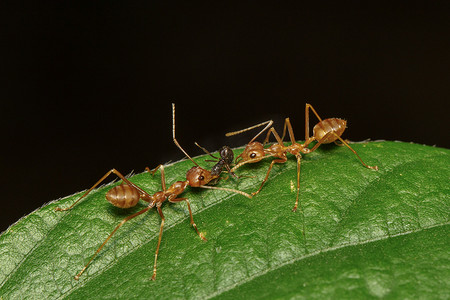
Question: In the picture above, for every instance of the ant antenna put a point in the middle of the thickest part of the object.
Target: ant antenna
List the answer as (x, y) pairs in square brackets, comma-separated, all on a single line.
[(173, 134), (269, 123), (204, 150)]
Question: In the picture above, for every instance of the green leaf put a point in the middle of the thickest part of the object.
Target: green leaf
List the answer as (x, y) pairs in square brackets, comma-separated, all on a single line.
[(368, 234)]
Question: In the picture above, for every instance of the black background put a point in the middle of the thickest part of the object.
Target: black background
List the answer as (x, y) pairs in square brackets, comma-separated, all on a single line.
[(86, 87)]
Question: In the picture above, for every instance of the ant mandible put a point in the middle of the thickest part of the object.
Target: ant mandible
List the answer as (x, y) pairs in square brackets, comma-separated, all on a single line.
[(128, 194), (324, 132)]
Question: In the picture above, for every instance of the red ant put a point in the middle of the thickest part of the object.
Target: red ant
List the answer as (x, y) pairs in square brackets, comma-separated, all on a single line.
[(128, 194), (324, 132)]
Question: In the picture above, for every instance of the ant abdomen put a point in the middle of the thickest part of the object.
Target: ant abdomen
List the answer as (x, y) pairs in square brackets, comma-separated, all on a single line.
[(227, 155), (328, 125), (123, 196)]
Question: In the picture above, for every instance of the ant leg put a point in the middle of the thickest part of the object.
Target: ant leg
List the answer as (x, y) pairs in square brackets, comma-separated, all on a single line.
[(275, 134), (348, 146), (281, 160), (87, 192), (320, 142), (190, 214), (154, 170), (163, 177), (159, 240), (230, 172), (307, 107), (100, 181), (343, 142), (299, 157), (110, 235), (287, 123), (266, 140)]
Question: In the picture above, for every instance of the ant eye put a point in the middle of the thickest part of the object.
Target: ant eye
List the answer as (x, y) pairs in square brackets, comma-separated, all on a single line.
[(253, 155), (201, 177)]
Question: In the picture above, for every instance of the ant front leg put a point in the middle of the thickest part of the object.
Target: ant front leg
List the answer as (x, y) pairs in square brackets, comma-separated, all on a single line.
[(287, 124), (275, 134), (176, 200), (281, 160), (163, 176)]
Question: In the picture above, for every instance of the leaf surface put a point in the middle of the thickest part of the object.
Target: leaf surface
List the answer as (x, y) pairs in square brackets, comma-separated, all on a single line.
[(367, 234)]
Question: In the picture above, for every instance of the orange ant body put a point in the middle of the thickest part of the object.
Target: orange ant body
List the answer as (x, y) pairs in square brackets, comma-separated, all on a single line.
[(128, 194), (324, 132)]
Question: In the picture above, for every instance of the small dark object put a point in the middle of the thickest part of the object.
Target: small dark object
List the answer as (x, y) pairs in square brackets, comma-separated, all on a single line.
[(225, 161)]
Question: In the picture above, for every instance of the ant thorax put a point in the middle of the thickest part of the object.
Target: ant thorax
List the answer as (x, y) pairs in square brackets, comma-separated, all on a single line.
[(176, 188)]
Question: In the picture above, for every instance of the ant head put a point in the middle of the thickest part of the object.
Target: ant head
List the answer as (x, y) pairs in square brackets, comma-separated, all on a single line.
[(226, 154), (253, 151), (198, 176)]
